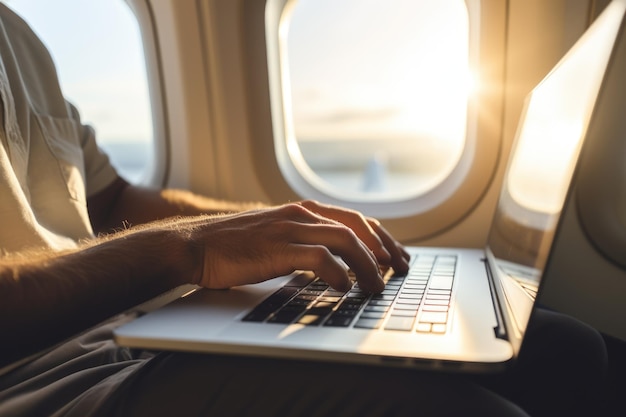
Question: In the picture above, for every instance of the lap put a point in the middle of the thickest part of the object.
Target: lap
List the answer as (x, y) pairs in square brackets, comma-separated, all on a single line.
[(71, 379), (218, 385)]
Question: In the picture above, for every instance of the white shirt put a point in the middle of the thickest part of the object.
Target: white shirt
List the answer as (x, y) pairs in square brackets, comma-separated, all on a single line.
[(49, 160)]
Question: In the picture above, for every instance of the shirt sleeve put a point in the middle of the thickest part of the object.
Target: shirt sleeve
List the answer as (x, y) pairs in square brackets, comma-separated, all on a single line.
[(99, 172)]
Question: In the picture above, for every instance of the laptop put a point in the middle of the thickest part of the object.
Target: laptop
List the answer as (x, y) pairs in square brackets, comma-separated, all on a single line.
[(457, 309)]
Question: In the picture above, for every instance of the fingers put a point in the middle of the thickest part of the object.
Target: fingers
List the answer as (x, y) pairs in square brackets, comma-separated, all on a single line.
[(399, 256), (262, 244), (323, 263), (322, 242), (386, 249), (355, 221), (369, 232)]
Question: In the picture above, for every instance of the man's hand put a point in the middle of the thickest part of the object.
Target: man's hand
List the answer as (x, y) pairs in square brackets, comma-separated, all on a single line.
[(250, 246), (262, 244)]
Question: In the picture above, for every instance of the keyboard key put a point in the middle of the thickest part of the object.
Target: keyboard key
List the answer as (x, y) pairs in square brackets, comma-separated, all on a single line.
[(424, 327), (410, 291), (334, 293), (345, 313), (313, 293), (338, 321), (271, 304), (400, 323), (437, 302), (297, 301), (437, 297), (383, 297), (376, 308), (368, 323), (414, 287), (279, 298), (256, 316), (326, 302), (356, 295), (410, 296), (373, 314), (307, 297), (409, 301), (403, 313), (320, 311), (311, 319), (318, 286), (439, 328), (406, 307), (440, 292), (380, 303), (433, 317), (285, 317), (349, 306), (428, 307), (441, 282)]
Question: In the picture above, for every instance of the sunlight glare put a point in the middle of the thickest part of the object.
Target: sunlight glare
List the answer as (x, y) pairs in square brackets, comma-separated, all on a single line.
[(556, 119)]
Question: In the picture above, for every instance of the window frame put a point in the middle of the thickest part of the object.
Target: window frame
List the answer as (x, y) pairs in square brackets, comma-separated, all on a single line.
[(458, 194), (158, 169)]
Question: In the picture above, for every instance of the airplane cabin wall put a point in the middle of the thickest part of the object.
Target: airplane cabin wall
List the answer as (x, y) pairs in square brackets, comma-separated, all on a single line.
[(218, 130), (204, 74)]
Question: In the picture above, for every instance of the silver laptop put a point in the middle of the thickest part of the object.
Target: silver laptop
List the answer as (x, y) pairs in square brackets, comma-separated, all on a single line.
[(457, 309)]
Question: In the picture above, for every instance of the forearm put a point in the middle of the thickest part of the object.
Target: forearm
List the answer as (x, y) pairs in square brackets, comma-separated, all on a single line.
[(130, 205), (46, 297)]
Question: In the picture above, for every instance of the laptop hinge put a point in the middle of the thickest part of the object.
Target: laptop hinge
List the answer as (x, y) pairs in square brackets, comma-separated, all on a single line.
[(500, 328)]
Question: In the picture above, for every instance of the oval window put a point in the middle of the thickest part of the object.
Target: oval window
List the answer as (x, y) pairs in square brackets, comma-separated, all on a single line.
[(375, 94)]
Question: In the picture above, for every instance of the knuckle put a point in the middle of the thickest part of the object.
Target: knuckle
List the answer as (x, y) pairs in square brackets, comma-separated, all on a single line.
[(373, 221), (293, 210), (309, 203), (346, 234), (320, 255)]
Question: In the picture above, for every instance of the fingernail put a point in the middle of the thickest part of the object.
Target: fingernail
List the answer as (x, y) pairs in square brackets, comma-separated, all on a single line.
[(380, 278)]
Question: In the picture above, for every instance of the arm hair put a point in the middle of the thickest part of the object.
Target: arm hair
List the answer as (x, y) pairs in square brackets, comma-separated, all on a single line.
[(47, 296)]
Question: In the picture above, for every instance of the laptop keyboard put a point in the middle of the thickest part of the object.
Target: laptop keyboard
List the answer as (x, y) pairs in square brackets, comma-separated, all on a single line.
[(418, 301)]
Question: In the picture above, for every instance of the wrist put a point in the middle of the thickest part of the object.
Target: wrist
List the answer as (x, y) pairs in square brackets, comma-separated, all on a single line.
[(179, 258)]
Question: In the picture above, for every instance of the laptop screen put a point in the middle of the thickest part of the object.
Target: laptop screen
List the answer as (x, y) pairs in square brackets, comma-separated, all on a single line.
[(548, 141)]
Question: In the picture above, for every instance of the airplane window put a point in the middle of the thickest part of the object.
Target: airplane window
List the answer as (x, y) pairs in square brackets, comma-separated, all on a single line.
[(97, 48), (375, 94)]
